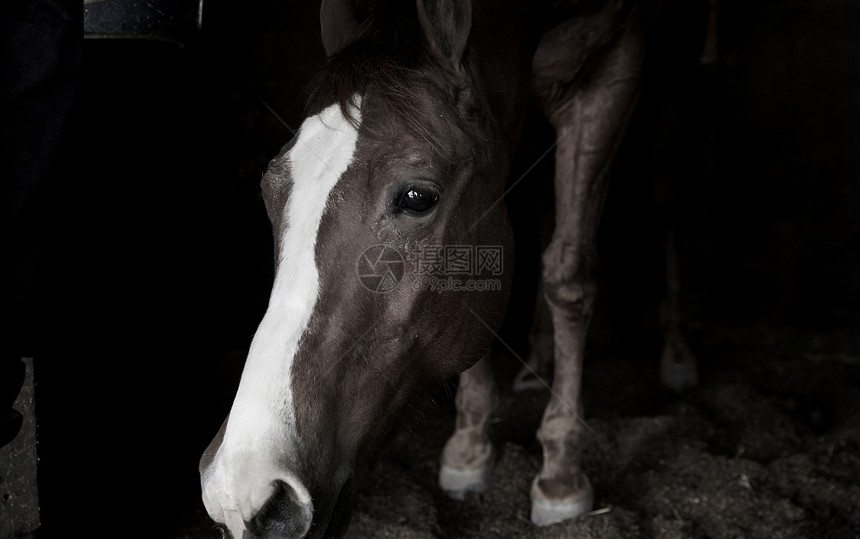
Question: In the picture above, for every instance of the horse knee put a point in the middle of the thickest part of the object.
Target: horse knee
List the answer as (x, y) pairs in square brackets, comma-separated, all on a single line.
[(570, 284)]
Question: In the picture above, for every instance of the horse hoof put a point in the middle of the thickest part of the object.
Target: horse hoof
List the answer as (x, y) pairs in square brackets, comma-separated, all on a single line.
[(528, 379), (546, 510), (679, 377), (528, 382), (456, 483), (545, 513)]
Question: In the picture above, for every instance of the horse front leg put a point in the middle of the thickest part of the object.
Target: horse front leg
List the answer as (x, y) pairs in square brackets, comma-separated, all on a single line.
[(468, 457), (590, 120), (537, 371)]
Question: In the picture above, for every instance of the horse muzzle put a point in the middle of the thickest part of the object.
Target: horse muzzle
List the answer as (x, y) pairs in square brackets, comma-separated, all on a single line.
[(281, 509), (286, 515)]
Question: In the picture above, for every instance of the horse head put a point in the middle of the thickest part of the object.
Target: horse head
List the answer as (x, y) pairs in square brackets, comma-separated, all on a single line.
[(403, 155)]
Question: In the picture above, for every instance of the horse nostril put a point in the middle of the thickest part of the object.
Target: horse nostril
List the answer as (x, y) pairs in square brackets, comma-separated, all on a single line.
[(285, 515)]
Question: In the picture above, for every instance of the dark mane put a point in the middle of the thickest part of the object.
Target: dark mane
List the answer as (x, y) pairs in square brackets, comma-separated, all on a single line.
[(386, 55)]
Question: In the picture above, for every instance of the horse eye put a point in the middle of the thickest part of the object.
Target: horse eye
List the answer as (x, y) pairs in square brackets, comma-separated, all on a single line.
[(417, 201)]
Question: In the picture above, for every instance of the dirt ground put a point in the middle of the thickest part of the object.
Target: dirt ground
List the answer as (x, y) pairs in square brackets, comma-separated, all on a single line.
[(768, 446)]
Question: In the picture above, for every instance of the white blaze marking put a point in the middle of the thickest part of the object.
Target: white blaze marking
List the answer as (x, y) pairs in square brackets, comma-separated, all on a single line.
[(261, 437)]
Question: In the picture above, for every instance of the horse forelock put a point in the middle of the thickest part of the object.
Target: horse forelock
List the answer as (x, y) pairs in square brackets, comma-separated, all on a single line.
[(386, 59)]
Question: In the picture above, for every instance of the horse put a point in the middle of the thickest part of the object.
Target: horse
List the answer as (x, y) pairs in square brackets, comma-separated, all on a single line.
[(393, 251)]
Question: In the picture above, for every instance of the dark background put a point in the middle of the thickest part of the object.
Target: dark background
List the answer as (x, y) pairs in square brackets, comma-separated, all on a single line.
[(159, 252)]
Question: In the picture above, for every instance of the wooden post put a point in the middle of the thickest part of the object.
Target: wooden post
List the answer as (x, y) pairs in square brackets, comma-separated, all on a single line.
[(19, 494)]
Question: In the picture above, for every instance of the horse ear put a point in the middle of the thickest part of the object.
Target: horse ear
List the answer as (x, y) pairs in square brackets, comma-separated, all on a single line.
[(338, 24), (446, 25)]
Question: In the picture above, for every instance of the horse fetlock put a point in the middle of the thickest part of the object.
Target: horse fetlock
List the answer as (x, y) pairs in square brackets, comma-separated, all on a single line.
[(467, 464), (467, 449), (555, 499)]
